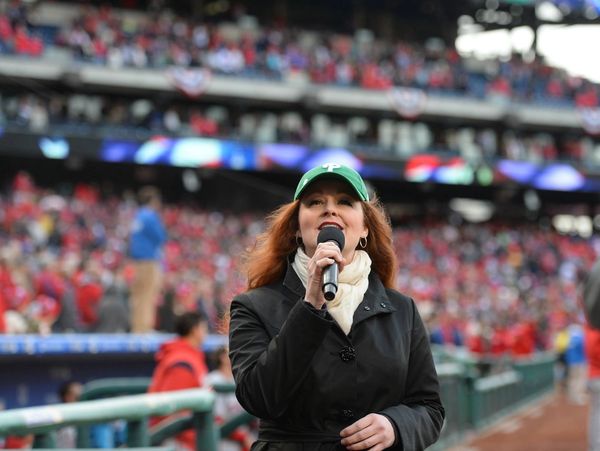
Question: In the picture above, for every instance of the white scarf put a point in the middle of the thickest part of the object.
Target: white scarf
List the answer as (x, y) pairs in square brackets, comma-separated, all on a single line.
[(353, 282)]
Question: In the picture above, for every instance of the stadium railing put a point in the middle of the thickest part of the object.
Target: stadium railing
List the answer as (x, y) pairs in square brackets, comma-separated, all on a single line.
[(114, 386), (492, 397), (471, 402), (135, 409), (537, 375), (455, 400), (108, 388), (120, 386)]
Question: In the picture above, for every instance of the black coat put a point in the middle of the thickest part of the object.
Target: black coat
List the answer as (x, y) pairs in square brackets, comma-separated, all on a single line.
[(298, 372)]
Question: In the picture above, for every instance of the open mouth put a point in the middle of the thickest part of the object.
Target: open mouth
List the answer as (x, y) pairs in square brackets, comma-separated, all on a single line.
[(330, 224)]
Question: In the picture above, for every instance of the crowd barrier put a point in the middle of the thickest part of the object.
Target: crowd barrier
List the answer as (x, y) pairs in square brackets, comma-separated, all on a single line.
[(472, 401), (135, 409), (476, 392), (111, 387)]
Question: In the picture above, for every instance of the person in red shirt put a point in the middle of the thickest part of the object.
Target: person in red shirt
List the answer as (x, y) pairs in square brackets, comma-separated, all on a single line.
[(592, 351), (523, 339), (181, 365), (88, 293), (2, 310)]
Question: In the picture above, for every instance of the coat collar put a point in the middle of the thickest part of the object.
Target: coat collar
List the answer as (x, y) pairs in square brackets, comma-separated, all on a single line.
[(291, 280), (375, 301)]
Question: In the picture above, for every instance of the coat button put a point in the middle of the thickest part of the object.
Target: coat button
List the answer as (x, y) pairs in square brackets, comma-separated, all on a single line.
[(348, 413), (367, 308), (383, 304), (347, 354)]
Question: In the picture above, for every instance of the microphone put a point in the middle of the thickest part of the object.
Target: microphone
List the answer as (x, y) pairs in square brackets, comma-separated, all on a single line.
[(330, 273)]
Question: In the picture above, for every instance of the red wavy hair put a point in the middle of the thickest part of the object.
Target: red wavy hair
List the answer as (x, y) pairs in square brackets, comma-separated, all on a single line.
[(266, 262)]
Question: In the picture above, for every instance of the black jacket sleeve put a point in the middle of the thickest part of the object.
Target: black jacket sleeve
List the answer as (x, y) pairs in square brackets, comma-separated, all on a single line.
[(418, 420), (269, 365)]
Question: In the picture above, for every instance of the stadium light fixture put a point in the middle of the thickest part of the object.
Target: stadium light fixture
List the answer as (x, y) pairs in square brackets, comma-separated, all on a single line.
[(583, 225), (191, 180), (531, 200), (570, 224), (548, 12), (472, 210)]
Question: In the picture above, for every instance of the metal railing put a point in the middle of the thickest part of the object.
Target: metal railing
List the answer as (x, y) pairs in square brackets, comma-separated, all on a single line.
[(135, 409), (119, 386), (455, 400), (471, 402)]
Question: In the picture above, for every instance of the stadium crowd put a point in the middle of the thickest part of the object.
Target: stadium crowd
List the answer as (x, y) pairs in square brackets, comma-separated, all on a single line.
[(493, 288), (63, 260), (64, 267), (160, 39), (112, 117)]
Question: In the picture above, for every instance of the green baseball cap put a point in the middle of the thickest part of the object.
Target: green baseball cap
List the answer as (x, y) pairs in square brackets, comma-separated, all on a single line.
[(345, 173)]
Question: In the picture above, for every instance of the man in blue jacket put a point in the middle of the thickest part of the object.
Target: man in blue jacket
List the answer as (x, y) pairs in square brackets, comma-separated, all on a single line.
[(145, 248)]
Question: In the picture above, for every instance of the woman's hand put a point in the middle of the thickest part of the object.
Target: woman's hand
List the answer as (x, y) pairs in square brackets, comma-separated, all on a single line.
[(374, 432), (325, 254)]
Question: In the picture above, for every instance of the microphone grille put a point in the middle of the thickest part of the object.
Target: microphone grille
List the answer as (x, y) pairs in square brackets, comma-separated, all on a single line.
[(332, 234)]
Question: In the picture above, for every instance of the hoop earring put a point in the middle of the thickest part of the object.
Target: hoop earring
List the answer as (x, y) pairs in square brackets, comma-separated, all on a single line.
[(299, 241), (362, 242)]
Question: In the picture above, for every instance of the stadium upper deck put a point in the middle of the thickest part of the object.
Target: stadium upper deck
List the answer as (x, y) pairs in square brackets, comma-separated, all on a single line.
[(118, 39), (286, 85)]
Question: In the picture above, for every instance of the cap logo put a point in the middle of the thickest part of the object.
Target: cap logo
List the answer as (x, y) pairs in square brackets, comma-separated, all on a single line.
[(331, 166), (346, 173)]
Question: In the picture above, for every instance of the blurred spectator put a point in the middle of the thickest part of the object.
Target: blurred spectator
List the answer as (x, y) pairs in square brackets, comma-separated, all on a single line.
[(109, 435), (146, 241), (203, 126), (592, 348), (66, 437), (591, 295), (474, 339), (3, 308), (88, 293), (561, 343), (18, 441), (523, 339), (576, 360), (180, 364), (500, 340), (113, 315), (44, 306), (445, 331), (226, 404), (68, 320)]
